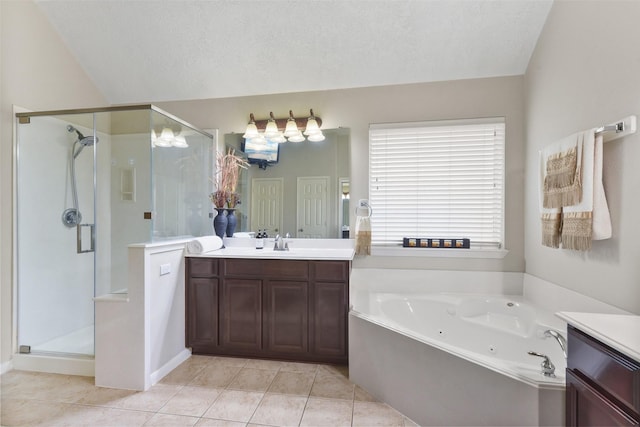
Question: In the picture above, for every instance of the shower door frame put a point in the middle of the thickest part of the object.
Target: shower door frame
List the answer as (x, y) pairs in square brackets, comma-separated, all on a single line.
[(24, 114), (89, 219)]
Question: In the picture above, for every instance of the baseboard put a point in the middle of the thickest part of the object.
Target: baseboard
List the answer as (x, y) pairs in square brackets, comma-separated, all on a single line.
[(6, 366), (169, 366), (54, 365)]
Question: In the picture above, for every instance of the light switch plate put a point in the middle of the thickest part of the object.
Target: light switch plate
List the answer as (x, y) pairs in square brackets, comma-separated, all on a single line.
[(165, 269)]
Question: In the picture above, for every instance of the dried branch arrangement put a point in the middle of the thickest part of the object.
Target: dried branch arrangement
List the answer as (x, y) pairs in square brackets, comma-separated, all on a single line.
[(226, 179)]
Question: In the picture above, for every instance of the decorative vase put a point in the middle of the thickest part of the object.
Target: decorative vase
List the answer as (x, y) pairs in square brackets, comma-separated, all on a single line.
[(232, 221), (220, 223)]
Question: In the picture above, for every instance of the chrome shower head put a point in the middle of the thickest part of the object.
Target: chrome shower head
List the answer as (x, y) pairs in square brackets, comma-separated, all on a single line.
[(84, 140)]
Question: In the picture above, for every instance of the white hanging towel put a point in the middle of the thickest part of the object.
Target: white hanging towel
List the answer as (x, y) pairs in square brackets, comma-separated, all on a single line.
[(590, 219)]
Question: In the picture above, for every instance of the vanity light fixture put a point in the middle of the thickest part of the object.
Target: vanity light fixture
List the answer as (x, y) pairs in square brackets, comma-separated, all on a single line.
[(292, 129)]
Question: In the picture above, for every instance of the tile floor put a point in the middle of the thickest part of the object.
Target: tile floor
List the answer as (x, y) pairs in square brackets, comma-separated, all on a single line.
[(203, 391)]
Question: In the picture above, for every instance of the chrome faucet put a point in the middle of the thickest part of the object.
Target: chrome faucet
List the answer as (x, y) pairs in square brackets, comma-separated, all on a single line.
[(561, 340), (280, 243), (548, 369)]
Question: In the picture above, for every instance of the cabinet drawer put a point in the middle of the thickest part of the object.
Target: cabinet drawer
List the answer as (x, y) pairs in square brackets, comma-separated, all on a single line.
[(282, 269), (202, 267), (613, 372), (330, 270), (587, 407)]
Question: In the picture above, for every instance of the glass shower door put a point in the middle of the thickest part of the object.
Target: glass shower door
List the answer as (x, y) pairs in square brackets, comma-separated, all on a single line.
[(56, 234)]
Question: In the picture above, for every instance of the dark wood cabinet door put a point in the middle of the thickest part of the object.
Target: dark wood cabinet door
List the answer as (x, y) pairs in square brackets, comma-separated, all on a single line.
[(588, 407), (241, 314), (202, 312), (329, 316), (286, 316)]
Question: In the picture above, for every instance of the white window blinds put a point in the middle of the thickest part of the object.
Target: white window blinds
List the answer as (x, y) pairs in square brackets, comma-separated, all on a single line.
[(437, 180)]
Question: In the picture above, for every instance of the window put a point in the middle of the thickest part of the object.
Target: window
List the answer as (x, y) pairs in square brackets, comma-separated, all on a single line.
[(440, 179)]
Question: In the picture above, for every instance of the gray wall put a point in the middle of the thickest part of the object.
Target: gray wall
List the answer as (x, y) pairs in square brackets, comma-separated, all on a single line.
[(585, 72), (357, 108)]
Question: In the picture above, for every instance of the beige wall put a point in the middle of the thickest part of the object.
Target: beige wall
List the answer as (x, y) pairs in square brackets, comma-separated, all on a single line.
[(585, 72), (38, 73), (357, 108)]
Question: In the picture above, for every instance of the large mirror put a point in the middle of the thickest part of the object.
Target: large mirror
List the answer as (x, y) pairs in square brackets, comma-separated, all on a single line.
[(305, 193)]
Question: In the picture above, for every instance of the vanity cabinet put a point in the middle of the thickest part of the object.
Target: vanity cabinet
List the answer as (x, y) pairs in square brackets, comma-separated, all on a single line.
[(603, 385), (270, 308)]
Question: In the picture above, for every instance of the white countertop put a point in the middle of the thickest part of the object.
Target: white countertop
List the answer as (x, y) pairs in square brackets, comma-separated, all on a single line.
[(619, 331), (269, 253), (303, 249)]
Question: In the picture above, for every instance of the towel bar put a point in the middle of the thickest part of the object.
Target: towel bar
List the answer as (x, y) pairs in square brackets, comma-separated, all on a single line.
[(624, 127)]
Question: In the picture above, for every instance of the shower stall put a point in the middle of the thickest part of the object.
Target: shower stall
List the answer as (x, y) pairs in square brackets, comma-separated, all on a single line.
[(89, 183)]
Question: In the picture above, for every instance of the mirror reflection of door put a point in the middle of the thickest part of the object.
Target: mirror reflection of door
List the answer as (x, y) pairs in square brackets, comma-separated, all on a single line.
[(266, 205), (312, 207)]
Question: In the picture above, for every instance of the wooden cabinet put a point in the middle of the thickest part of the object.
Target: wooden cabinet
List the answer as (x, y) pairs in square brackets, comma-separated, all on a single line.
[(328, 306), (241, 314), (281, 309), (603, 385), (286, 317), (202, 297)]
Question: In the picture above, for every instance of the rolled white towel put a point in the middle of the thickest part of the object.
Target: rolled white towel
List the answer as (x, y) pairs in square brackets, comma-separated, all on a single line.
[(244, 234), (204, 244)]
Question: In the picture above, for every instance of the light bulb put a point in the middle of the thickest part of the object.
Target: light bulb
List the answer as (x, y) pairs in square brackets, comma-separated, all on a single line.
[(165, 139), (312, 126), (251, 131), (291, 129), (297, 137), (279, 138), (180, 142), (316, 137), (271, 130)]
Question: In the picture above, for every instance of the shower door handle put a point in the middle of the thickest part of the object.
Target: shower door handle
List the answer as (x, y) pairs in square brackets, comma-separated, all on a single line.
[(92, 231)]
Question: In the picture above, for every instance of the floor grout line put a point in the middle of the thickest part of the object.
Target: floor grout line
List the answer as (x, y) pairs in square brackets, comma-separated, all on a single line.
[(186, 378)]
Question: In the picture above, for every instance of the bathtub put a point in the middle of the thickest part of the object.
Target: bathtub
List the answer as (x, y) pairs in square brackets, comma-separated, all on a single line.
[(447, 358)]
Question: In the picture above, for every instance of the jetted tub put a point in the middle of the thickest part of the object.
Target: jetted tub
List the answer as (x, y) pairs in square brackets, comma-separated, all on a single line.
[(457, 359)]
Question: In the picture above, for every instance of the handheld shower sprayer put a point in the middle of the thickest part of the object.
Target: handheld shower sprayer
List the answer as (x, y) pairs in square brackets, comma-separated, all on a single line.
[(71, 217)]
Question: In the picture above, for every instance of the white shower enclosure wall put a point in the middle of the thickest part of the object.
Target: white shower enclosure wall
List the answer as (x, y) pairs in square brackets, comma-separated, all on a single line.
[(90, 183)]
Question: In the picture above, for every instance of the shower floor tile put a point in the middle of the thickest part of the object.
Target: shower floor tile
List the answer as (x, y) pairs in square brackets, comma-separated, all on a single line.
[(203, 391)]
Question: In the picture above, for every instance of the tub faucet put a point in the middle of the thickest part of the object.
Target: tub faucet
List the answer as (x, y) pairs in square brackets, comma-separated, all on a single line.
[(548, 369), (280, 244), (563, 342)]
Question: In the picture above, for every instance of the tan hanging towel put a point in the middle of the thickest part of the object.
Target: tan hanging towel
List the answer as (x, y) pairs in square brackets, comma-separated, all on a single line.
[(551, 229), (363, 230), (577, 230), (363, 235), (563, 175)]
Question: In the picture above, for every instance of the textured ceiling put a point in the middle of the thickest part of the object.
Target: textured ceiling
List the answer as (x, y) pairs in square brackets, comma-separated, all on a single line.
[(152, 51)]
